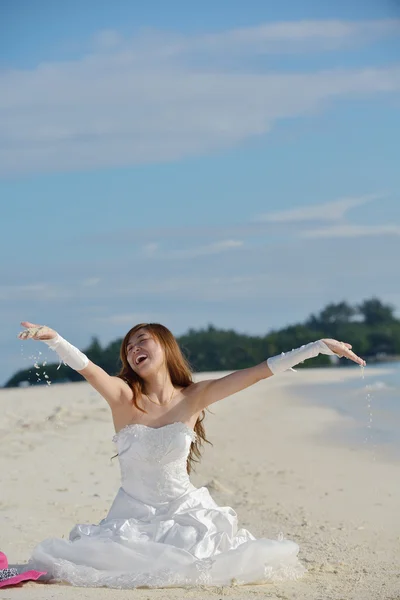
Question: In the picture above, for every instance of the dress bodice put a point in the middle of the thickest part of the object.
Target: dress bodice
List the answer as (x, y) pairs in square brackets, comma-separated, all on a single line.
[(153, 461)]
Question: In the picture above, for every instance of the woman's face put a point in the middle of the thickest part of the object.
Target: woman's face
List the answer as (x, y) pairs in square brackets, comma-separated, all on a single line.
[(144, 353)]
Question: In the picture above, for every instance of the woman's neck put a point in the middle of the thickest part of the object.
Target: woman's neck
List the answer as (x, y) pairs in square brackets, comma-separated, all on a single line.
[(159, 388)]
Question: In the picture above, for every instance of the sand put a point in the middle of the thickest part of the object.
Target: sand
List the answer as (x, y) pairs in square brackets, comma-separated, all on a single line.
[(273, 460)]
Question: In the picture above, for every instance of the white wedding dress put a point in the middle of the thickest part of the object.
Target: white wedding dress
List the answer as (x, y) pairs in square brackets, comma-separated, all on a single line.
[(161, 530)]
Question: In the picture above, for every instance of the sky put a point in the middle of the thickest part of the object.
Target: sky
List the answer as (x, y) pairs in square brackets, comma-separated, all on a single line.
[(229, 163)]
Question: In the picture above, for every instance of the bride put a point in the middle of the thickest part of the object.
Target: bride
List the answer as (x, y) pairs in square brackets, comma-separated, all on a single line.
[(161, 530)]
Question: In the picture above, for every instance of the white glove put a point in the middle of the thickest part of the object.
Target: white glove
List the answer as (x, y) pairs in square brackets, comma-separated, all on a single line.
[(70, 355), (287, 360)]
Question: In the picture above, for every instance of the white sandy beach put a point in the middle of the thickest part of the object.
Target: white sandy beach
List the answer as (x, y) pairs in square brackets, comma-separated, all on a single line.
[(270, 461)]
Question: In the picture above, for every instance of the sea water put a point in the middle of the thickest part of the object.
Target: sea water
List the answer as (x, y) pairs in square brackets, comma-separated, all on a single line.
[(370, 403)]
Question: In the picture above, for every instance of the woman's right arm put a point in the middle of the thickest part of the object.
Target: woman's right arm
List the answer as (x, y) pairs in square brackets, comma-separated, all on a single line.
[(113, 389)]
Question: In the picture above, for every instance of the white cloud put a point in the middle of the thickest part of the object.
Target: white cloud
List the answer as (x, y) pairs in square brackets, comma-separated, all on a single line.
[(294, 36), (352, 231), (44, 291), (197, 251), (268, 38), (150, 250), (127, 319), (154, 250), (192, 287), (328, 211), (107, 39), (91, 281), (144, 102)]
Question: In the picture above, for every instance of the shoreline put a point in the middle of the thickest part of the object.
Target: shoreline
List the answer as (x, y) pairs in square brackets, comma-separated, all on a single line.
[(267, 462), (362, 425)]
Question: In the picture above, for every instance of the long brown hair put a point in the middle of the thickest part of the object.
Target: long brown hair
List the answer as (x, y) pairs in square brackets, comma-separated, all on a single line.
[(180, 374)]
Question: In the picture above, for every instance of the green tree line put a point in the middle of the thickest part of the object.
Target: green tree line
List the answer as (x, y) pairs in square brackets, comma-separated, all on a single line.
[(371, 327)]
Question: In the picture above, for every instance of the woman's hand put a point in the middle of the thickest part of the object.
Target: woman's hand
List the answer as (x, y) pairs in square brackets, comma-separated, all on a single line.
[(36, 332), (343, 349)]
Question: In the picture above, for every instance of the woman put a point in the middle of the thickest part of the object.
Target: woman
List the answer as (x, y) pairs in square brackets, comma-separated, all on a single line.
[(161, 531)]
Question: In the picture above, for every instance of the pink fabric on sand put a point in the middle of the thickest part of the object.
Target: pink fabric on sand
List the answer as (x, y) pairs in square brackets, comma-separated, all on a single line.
[(16, 579)]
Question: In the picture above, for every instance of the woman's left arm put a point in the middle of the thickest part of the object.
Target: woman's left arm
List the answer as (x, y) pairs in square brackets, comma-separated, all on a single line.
[(213, 390)]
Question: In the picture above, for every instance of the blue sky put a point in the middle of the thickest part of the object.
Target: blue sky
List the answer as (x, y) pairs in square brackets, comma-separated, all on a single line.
[(229, 163)]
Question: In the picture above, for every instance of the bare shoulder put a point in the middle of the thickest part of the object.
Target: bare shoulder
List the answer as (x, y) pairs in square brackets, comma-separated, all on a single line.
[(195, 391), (196, 388), (124, 387)]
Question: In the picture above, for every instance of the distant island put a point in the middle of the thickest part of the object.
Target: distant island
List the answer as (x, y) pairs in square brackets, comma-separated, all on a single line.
[(371, 327)]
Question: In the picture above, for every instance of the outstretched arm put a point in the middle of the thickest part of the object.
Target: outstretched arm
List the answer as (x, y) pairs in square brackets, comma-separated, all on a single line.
[(113, 389), (213, 390)]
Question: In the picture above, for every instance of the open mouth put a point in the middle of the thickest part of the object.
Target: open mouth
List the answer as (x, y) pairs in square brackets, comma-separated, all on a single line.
[(140, 359)]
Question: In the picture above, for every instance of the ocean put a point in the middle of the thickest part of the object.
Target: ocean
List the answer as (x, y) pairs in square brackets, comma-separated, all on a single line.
[(371, 407)]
